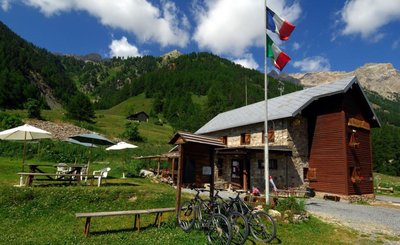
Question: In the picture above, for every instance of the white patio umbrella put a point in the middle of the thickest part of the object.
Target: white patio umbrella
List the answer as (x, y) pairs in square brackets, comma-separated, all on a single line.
[(121, 146), (25, 132)]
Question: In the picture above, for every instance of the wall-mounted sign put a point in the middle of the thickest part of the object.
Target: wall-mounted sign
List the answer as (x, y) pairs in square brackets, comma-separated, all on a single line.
[(206, 170)]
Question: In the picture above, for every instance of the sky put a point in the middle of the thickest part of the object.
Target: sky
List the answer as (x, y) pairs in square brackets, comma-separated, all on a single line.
[(333, 35)]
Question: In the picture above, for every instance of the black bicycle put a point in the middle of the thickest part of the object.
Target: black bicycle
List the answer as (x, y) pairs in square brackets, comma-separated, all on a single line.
[(239, 223), (201, 214), (262, 225)]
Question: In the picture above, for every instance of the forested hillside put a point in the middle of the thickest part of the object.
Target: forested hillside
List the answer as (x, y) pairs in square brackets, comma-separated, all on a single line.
[(386, 140), (187, 91), (27, 71)]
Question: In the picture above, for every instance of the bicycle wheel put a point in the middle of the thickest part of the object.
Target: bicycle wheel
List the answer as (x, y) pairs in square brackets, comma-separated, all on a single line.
[(219, 230), (262, 226), (240, 227), (186, 215)]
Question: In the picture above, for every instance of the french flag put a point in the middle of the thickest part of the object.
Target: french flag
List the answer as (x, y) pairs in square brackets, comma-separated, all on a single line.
[(278, 25)]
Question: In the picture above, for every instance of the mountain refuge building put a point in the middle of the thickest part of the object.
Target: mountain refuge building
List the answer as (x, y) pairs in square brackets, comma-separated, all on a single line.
[(319, 137)]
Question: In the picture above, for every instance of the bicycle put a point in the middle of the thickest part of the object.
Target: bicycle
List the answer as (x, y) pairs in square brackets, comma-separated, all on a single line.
[(216, 226), (240, 226), (262, 225)]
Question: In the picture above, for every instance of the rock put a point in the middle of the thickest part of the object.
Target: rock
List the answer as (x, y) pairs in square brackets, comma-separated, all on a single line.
[(59, 130), (274, 213)]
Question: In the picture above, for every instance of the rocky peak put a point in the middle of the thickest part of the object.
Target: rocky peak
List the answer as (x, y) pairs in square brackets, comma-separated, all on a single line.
[(381, 78)]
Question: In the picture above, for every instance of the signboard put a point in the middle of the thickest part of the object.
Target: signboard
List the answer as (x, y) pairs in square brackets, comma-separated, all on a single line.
[(206, 170)]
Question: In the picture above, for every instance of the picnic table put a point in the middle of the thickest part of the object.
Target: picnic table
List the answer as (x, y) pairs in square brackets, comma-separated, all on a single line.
[(30, 177), (74, 173), (73, 168)]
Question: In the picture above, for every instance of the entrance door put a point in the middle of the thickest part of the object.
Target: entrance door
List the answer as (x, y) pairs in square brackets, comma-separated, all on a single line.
[(189, 172), (237, 171)]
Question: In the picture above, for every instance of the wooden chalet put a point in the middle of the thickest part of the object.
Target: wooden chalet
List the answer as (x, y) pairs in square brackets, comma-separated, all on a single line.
[(139, 116), (318, 137)]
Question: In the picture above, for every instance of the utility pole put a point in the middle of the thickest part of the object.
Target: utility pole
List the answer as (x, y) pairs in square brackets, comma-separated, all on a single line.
[(281, 87), (245, 87)]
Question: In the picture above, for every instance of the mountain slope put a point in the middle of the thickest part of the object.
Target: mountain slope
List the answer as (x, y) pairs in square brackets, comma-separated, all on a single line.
[(27, 71), (381, 78)]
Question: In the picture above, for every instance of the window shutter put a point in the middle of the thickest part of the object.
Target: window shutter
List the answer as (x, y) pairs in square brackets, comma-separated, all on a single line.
[(312, 174)]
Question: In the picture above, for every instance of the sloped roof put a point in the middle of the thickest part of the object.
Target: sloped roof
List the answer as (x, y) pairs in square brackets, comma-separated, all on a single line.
[(188, 137), (288, 105)]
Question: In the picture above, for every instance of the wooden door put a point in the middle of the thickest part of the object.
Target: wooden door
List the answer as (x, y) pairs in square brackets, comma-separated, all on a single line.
[(237, 171)]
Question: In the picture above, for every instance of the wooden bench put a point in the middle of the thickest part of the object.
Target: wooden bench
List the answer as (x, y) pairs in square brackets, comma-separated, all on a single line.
[(158, 211), (54, 177)]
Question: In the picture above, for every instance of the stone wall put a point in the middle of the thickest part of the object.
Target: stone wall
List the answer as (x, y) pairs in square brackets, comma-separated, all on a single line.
[(298, 142), (291, 133)]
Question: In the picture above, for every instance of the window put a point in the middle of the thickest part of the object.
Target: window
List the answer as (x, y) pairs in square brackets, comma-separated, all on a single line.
[(219, 166), (271, 136), (311, 174), (224, 140), (245, 139)]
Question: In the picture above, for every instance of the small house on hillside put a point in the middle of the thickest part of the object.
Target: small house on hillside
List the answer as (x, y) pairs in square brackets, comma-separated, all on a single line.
[(140, 117), (318, 137)]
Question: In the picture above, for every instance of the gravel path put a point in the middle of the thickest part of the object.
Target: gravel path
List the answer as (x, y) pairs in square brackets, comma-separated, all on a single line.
[(365, 218)]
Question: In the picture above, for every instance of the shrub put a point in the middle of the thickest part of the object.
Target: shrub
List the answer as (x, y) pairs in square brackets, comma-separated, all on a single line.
[(132, 132), (33, 107), (9, 121), (297, 206)]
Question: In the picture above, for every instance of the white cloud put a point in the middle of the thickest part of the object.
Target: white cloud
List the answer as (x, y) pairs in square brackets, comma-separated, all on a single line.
[(296, 46), (313, 64), (247, 61), (165, 25), (232, 26), (365, 17), (5, 5), (122, 48)]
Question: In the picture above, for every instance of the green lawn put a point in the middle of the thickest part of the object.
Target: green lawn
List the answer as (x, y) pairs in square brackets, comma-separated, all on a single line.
[(45, 215), (387, 181)]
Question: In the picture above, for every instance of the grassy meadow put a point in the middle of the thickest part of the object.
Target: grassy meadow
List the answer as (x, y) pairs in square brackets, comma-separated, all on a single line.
[(45, 214)]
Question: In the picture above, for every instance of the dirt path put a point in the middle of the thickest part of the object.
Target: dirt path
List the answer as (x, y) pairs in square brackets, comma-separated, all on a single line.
[(379, 220)]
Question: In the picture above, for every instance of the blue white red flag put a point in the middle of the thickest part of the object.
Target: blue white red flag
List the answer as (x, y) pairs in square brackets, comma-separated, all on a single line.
[(278, 25)]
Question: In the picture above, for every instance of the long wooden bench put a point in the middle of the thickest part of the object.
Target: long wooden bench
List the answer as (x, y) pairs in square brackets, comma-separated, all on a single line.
[(158, 211), (54, 177)]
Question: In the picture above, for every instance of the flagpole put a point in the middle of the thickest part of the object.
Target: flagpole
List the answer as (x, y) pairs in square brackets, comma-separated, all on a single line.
[(266, 153)]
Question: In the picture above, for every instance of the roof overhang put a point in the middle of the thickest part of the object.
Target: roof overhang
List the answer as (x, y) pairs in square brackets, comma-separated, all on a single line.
[(183, 138)]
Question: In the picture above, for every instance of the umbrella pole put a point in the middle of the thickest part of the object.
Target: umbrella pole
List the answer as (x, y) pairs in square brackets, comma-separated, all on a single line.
[(24, 153), (88, 164), (21, 180)]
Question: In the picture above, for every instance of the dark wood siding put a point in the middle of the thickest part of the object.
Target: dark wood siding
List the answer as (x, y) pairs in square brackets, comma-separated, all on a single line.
[(198, 155), (328, 154), (358, 157)]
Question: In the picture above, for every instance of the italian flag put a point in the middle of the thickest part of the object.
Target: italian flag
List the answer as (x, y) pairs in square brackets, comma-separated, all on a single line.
[(273, 51)]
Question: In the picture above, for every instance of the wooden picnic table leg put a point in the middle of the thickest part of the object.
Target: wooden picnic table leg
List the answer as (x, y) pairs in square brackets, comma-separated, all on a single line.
[(87, 226), (156, 221), (160, 220), (137, 222), (29, 180)]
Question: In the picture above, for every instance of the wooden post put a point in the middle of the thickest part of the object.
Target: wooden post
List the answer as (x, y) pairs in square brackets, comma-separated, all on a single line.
[(245, 179), (173, 171), (245, 174), (211, 156), (179, 180), (158, 167)]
